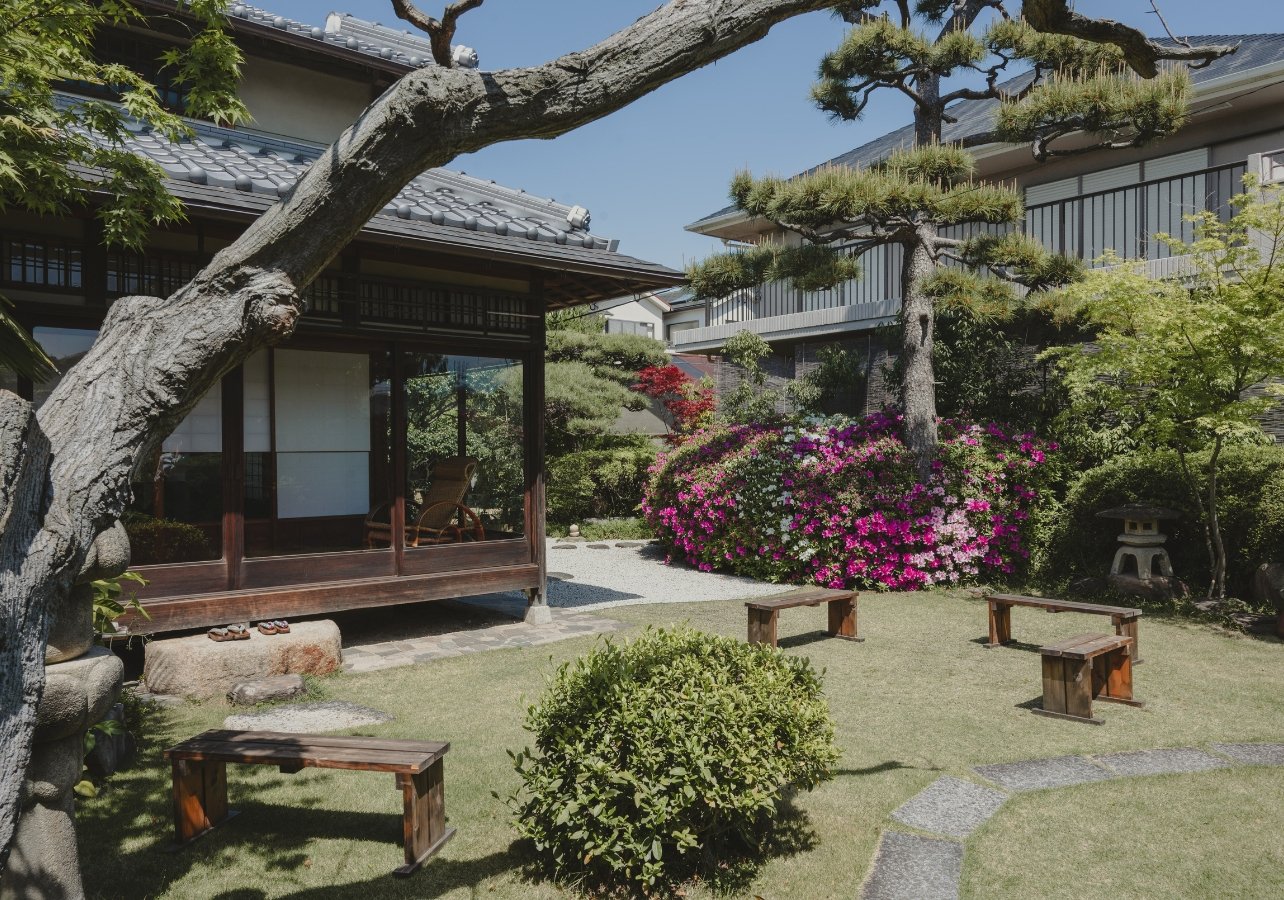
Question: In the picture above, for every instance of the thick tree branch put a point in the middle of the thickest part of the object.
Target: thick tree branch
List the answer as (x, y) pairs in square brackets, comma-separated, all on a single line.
[(155, 358), (1142, 54), (440, 31)]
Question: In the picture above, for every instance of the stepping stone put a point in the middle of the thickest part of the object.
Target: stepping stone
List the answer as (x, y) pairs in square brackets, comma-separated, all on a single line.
[(1254, 754), (1161, 762), (950, 806), (628, 545), (1059, 771), (265, 690), (598, 546), (908, 867), (304, 718), (566, 546)]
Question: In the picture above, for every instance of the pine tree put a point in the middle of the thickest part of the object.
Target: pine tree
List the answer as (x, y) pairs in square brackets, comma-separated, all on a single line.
[(1093, 77)]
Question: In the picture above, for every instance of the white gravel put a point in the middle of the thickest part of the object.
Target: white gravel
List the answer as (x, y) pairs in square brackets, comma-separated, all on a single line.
[(302, 718), (593, 577)]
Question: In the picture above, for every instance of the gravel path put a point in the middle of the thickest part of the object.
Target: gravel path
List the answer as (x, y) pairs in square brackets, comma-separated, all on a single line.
[(596, 575)]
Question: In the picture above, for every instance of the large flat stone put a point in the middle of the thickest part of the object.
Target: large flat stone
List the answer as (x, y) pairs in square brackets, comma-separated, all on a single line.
[(950, 806), (1058, 771), (1254, 754), (198, 668), (267, 690), (1162, 762), (908, 867)]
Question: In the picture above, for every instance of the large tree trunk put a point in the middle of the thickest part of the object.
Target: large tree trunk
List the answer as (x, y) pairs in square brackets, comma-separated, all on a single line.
[(154, 359), (918, 384)]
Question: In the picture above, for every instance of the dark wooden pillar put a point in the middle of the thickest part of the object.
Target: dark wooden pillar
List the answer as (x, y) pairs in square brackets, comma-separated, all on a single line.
[(398, 513), (533, 412), (93, 263), (233, 475)]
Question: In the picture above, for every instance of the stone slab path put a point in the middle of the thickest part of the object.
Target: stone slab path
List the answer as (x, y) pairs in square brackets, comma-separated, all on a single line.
[(920, 867), (389, 654)]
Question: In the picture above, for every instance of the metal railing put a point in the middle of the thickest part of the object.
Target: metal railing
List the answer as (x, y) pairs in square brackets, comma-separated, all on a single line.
[(1123, 220)]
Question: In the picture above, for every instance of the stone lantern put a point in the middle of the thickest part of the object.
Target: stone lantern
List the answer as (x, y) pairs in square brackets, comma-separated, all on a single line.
[(1141, 541)]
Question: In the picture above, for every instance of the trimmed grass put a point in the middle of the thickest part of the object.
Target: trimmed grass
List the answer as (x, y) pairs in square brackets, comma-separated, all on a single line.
[(1217, 833), (921, 697)]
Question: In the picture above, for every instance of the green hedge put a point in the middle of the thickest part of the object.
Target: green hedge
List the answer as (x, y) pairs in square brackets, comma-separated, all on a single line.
[(157, 541), (666, 758), (598, 484), (1077, 544)]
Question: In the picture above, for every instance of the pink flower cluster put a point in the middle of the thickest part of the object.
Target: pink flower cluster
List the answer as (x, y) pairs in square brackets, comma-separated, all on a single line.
[(837, 502)]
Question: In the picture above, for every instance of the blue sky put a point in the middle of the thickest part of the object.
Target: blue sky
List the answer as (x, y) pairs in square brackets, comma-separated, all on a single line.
[(665, 161)]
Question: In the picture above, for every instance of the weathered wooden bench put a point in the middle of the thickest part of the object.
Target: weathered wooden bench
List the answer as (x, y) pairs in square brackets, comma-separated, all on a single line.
[(200, 778), (1084, 668), (842, 613), (1123, 618)]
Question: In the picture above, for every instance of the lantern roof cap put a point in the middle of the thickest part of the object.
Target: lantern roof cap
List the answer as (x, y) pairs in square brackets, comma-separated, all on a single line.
[(1138, 511)]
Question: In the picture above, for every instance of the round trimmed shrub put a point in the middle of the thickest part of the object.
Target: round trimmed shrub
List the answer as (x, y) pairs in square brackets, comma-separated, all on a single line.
[(837, 502), (658, 758)]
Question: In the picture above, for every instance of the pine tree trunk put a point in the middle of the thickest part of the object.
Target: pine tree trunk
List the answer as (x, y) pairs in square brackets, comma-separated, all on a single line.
[(154, 359), (918, 384)]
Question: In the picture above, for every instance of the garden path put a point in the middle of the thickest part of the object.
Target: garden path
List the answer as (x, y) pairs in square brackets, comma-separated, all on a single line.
[(910, 866), (584, 577)]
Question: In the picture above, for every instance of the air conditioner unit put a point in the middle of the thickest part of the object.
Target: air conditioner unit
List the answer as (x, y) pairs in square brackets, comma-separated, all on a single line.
[(1269, 167)]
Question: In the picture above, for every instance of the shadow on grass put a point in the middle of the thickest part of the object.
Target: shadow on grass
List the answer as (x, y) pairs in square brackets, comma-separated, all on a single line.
[(890, 766), (1024, 646), (126, 834), (809, 637)]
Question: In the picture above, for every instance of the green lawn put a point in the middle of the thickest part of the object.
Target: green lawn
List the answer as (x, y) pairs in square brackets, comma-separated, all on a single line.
[(919, 698)]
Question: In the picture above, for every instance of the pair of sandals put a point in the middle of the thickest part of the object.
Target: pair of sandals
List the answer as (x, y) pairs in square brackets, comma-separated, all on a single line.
[(229, 633), (276, 626)]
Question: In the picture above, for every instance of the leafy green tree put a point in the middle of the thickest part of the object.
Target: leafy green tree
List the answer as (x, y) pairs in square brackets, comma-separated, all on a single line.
[(1178, 357), (44, 139), (932, 51)]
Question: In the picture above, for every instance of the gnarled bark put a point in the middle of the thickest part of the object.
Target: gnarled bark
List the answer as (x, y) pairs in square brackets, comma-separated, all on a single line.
[(918, 384), (155, 358)]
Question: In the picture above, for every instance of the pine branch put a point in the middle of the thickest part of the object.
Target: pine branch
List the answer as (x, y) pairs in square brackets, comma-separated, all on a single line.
[(1141, 54)]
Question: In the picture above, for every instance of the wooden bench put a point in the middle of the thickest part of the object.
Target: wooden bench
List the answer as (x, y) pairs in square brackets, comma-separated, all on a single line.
[(842, 613), (1084, 668), (200, 778), (1123, 618)]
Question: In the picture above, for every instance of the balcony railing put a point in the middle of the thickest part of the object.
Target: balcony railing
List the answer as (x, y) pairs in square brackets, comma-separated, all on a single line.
[(1124, 220)]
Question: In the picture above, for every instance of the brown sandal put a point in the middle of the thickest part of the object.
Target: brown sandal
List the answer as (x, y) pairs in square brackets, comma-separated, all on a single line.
[(282, 626), (238, 632), (219, 634), (268, 627)]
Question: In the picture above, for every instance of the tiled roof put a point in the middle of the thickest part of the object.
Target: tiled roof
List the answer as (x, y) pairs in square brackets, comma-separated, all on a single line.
[(348, 32), (247, 162), (977, 116)]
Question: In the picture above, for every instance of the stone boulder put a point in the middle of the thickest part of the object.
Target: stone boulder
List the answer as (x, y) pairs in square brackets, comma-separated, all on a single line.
[(198, 668), (1157, 587), (266, 690), (1268, 586)]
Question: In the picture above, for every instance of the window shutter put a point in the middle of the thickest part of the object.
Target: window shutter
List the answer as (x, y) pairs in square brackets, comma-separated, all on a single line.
[(1177, 164), (1052, 191)]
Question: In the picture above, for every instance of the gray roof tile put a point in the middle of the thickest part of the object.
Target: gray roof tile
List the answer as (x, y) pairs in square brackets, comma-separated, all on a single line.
[(347, 31), (977, 116), (257, 163)]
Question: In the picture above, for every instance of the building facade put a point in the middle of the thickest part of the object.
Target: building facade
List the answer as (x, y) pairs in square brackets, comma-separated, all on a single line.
[(391, 450), (1082, 206)]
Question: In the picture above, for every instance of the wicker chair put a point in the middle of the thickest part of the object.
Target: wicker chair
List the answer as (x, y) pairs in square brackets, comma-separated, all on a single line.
[(444, 519)]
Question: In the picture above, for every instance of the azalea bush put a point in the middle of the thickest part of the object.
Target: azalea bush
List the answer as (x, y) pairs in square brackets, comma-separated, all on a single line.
[(837, 502)]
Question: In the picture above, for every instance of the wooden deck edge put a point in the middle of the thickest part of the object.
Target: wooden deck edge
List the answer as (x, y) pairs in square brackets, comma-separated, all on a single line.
[(204, 610)]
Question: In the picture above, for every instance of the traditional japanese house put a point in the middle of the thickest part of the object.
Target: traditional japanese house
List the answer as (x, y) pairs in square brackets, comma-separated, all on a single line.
[(390, 451)]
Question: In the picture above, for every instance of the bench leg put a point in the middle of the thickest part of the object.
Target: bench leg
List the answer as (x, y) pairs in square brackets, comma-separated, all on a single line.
[(1113, 678), (200, 798), (762, 626), (1128, 627), (424, 825), (1067, 690), (1000, 624), (842, 619)]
